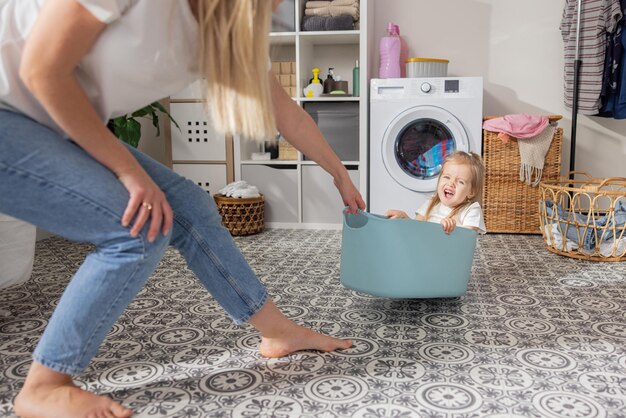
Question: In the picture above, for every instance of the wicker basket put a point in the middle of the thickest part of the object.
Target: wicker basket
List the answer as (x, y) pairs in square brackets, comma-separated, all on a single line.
[(511, 206), (589, 212), (241, 216)]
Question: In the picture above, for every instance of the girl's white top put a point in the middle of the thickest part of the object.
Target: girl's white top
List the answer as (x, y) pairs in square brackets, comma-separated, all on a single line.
[(471, 216), (146, 53)]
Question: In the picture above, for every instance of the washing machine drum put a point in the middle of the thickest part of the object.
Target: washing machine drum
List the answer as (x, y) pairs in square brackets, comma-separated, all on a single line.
[(417, 141)]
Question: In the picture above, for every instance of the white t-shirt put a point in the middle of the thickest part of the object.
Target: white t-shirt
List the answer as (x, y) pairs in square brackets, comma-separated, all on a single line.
[(471, 216), (146, 53)]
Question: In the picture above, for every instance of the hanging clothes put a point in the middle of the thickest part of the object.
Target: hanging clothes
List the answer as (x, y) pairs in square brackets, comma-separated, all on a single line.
[(614, 85), (598, 18)]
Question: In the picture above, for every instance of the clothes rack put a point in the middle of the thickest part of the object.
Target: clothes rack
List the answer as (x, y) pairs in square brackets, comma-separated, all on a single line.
[(577, 66)]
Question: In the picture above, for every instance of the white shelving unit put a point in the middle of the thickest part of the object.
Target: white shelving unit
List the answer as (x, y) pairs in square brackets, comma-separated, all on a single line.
[(196, 151), (299, 193)]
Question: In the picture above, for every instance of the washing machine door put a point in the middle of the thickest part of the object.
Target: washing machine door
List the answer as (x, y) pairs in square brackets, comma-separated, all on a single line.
[(417, 141)]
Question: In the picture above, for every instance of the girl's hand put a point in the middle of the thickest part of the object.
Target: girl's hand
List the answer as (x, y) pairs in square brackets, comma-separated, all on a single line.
[(396, 214), (350, 195), (146, 201), (448, 225)]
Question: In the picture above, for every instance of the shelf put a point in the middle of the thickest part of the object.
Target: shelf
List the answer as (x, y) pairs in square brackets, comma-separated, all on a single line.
[(269, 162), (309, 162), (298, 193), (339, 37), (325, 37), (330, 99), (289, 162), (283, 38)]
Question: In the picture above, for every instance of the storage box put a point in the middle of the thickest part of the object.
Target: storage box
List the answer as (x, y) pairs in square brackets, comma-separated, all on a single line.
[(426, 67), (286, 151), (339, 123), (285, 67), (511, 206), (285, 80)]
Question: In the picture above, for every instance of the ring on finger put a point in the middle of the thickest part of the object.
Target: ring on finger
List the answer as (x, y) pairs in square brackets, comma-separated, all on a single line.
[(146, 205)]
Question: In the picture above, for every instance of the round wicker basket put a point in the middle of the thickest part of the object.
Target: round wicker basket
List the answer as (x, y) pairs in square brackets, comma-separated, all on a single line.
[(585, 217), (241, 216)]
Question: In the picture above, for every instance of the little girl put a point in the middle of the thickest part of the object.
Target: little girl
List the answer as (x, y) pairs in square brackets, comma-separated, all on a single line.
[(459, 192)]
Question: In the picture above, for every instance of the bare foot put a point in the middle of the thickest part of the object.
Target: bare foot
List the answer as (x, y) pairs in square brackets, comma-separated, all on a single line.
[(59, 397), (300, 338)]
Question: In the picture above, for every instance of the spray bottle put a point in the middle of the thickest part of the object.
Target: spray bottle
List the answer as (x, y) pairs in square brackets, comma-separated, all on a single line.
[(356, 80), (390, 53)]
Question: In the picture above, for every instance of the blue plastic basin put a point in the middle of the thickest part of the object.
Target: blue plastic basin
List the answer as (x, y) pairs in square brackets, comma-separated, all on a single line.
[(405, 258)]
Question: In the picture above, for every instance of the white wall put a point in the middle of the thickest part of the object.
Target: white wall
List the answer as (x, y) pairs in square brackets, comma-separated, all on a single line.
[(516, 46), (150, 143)]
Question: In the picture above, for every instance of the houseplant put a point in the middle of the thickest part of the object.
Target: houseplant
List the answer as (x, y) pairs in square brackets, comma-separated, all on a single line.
[(128, 128)]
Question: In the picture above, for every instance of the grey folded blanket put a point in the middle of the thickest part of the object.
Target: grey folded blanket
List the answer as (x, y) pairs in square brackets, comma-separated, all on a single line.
[(322, 23)]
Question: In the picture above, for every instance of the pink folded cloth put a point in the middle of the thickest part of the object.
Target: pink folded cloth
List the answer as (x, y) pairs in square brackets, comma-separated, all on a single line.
[(517, 126)]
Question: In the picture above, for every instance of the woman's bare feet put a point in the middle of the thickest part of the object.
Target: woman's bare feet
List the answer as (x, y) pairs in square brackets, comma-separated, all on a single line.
[(300, 338), (280, 336), (47, 393)]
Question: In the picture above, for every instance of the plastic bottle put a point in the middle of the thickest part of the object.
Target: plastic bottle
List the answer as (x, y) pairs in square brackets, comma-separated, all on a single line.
[(329, 83), (390, 53), (356, 83), (315, 88)]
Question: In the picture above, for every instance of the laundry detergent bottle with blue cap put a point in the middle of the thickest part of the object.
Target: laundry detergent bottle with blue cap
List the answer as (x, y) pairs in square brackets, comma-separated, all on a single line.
[(390, 47)]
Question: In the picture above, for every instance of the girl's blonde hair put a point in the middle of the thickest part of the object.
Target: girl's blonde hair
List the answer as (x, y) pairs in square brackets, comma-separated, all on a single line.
[(233, 57), (477, 182)]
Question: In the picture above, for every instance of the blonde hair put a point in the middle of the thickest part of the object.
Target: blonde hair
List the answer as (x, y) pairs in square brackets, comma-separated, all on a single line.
[(477, 182), (233, 57)]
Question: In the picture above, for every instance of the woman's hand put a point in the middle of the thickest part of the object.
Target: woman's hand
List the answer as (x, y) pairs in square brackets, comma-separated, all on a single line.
[(350, 195), (146, 201), (396, 214), (448, 225)]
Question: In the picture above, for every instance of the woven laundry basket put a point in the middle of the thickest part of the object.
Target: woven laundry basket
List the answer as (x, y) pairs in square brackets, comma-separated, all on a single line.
[(511, 206), (584, 217), (241, 216)]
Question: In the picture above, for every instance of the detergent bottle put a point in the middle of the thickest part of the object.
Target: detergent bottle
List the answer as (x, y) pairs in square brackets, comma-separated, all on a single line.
[(315, 88), (390, 47)]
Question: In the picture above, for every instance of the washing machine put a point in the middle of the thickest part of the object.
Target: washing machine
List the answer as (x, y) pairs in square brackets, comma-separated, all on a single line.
[(414, 124)]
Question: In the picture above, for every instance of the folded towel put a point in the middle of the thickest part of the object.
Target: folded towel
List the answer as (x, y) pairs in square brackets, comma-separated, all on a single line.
[(321, 23), (240, 189), (334, 11), (313, 4)]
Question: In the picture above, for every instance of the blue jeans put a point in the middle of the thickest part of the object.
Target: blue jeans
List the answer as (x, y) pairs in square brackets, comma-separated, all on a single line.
[(51, 182)]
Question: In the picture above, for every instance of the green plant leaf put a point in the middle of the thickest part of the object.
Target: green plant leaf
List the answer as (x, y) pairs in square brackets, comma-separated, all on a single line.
[(164, 110), (128, 129), (142, 112), (133, 132)]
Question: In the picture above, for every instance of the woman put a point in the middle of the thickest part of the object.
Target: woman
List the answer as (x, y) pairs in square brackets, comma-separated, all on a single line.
[(66, 66)]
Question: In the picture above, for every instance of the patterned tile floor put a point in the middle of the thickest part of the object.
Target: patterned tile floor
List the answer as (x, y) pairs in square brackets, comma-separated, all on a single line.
[(536, 335)]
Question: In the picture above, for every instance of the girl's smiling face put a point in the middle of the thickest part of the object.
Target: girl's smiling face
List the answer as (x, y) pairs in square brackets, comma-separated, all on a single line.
[(455, 184)]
